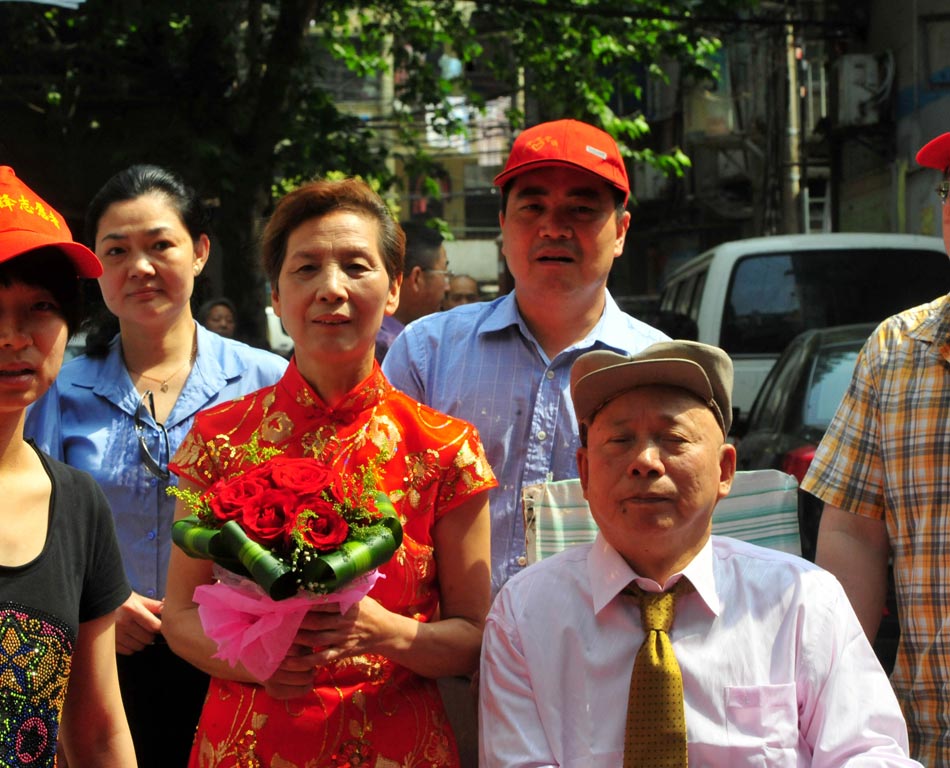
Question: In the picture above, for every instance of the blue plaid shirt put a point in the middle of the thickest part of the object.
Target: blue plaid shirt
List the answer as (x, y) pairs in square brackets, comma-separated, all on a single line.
[(479, 362)]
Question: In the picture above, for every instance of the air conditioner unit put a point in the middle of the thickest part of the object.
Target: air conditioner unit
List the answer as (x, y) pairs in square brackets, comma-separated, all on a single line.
[(858, 89)]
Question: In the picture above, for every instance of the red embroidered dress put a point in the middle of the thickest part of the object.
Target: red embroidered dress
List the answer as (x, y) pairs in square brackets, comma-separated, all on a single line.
[(364, 710)]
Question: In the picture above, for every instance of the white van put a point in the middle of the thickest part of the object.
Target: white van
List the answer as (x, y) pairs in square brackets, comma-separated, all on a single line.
[(751, 297)]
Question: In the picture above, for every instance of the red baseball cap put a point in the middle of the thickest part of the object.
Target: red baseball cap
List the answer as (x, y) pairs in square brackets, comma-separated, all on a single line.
[(569, 143), (936, 153), (28, 222)]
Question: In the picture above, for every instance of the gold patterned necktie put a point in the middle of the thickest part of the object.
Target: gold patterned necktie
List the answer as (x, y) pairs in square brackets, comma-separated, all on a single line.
[(656, 720)]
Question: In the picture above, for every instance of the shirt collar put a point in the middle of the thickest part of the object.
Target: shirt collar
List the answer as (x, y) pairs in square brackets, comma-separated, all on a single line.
[(215, 365), (610, 574), (503, 313), (611, 330), (935, 328)]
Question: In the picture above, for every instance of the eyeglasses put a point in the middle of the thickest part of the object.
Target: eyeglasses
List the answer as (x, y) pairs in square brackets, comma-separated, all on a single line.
[(147, 404), (444, 274), (943, 190)]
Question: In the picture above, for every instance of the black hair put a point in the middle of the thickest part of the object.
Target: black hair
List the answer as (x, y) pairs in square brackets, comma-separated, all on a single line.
[(50, 269), (422, 245), (138, 180), (132, 183)]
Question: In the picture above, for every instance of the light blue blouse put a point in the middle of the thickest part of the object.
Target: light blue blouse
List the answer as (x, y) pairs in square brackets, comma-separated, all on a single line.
[(87, 419)]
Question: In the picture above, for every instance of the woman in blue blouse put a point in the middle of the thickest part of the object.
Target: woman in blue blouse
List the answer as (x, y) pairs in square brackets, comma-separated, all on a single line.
[(120, 411)]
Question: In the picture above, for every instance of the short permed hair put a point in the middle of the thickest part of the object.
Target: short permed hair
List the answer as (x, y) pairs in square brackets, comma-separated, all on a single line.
[(318, 198)]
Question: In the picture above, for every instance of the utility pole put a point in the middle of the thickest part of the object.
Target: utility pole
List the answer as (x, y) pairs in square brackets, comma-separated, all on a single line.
[(791, 207)]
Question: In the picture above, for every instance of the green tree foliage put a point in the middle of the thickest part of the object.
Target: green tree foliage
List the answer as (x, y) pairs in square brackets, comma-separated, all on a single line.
[(246, 97)]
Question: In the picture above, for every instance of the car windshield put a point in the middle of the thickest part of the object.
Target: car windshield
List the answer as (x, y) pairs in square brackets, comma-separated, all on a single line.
[(773, 297), (827, 382)]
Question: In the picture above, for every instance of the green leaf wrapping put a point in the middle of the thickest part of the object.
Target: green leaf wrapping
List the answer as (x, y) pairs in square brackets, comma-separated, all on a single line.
[(332, 571), (271, 573), (229, 546), (195, 540)]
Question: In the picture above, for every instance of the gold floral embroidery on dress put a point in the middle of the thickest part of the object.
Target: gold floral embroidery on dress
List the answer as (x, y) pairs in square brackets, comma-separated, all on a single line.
[(192, 452), (370, 666), (420, 559), (315, 443), (422, 470), (384, 433), (276, 427), (356, 751), (304, 397), (245, 747), (469, 472), (437, 750), (465, 456), (479, 467)]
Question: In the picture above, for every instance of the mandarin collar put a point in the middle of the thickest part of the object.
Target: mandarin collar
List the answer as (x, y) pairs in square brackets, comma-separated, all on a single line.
[(363, 397)]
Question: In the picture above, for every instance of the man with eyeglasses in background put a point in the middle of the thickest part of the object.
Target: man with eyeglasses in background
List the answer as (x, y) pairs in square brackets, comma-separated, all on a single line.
[(882, 472), (425, 279)]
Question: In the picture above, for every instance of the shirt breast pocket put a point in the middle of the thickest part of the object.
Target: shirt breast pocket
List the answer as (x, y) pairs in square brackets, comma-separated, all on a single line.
[(762, 724)]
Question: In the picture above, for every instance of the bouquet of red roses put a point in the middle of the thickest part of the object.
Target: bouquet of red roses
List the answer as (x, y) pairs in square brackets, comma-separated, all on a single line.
[(301, 533), (291, 524)]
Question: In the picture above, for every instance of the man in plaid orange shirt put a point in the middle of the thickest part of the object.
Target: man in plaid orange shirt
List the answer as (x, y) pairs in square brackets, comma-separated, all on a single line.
[(883, 471)]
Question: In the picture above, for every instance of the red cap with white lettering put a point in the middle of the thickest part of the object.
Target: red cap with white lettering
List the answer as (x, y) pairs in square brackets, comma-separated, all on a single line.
[(567, 143)]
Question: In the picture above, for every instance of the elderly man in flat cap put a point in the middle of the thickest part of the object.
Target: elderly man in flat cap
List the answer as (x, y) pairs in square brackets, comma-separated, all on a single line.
[(660, 644), (883, 474)]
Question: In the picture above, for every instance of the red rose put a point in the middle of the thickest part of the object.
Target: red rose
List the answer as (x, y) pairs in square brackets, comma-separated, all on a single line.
[(321, 527), (302, 476), (267, 522), (228, 498)]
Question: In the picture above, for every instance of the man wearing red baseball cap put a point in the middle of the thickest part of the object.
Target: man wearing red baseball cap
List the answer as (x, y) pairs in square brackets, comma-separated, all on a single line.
[(883, 474), (936, 154), (505, 365)]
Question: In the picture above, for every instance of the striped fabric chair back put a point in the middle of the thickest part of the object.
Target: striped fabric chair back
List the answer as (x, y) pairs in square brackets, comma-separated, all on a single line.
[(761, 508)]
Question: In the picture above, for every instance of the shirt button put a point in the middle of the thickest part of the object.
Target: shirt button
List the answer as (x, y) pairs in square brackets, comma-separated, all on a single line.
[(150, 593), (542, 435), (522, 561), (549, 374), (150, 535)]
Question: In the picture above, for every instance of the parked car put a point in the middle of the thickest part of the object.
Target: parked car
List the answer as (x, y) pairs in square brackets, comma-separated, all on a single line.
[(788, 420), (752, 297), (795, 406)]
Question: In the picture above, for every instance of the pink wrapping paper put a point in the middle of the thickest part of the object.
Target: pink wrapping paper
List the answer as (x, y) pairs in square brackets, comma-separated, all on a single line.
[(251, 628)]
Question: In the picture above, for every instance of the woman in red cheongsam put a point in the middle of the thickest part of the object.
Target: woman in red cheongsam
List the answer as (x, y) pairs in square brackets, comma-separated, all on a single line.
[(356, 689)]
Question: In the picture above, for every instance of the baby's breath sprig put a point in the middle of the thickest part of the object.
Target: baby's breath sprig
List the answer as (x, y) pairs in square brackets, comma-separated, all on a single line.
[(257, 454)]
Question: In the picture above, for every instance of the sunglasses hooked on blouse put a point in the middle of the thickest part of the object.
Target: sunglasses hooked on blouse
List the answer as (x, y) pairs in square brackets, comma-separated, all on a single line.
[(153, 465)]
